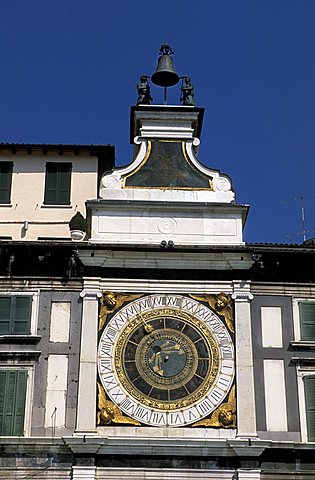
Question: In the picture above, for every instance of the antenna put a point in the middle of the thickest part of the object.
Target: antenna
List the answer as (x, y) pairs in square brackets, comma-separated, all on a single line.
[(299, 198)]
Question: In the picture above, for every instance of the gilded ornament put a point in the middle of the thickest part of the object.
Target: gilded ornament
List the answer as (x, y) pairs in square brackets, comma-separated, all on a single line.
[(108, 412), (221, 304), (224, 416), (110, 302)]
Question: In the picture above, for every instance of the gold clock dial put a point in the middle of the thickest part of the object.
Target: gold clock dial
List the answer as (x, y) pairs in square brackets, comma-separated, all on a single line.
[(166, 360)]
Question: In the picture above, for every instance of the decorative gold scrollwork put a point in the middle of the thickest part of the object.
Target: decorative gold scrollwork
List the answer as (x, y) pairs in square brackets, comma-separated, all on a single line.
[(109, 413), (224, 416), (110, 302), (222, 304)]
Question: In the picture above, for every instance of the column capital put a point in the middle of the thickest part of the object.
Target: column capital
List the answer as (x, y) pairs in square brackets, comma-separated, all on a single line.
[(90, 294), (241, 291), (91, 288)]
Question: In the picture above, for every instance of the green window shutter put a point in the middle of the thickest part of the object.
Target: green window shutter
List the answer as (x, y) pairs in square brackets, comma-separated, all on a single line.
[(64, 182), (307, 320), (5, 309), (2, 398), (5, 181), (15, 315), (57, 183), (309, 388), (50, 184), (21, 315), (12, 401)]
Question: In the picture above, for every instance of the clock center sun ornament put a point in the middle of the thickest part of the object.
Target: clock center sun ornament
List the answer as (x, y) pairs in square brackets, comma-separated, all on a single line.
[(166, 360)]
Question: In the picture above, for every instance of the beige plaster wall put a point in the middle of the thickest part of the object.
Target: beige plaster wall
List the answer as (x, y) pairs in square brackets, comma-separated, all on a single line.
[(27, 195)]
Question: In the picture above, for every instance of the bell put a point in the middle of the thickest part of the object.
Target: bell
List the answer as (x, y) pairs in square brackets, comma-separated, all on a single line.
[(165, 75)]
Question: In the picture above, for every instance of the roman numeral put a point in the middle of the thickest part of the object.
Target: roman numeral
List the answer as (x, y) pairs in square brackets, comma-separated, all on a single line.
[(117, 394), (205, 406), (110, 381), (227, 351), (216, 395), (224, 381), (106, 348), (203, 313), (142, 413), (105, 365), (158, 418), (189, 305), (175, 419), (111, 333), (128, 405)]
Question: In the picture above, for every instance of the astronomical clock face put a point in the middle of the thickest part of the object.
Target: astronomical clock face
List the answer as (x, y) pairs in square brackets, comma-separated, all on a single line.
[(166, 360)]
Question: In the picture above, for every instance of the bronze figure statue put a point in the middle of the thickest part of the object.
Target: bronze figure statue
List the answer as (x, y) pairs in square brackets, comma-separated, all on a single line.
[(144, 93), (187, 92)]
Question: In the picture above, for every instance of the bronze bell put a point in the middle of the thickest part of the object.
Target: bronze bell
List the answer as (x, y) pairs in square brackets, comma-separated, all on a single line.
[(165, 75)]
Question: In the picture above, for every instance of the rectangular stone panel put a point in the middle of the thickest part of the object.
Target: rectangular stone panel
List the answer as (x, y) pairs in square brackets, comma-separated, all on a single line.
[(60, 321), (271, 326), (56, 393), (275, 396)]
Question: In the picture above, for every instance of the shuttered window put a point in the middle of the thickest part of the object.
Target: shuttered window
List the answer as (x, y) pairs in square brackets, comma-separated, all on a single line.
[(57, 183), (5, 181), (12, 401), (15, 315), (307, 320), (309, 388)]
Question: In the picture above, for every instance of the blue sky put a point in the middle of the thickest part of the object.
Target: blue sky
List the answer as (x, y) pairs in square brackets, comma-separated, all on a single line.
[(70, 69)]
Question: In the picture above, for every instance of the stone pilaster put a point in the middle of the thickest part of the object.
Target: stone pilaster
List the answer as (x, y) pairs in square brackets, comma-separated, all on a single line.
[(246, 414), (86, 413)]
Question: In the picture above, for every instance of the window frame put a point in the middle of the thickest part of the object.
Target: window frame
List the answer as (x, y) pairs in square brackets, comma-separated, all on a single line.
[(9, 188), (302, 372), (34, 305), (29, 369), (297, 319), (58, 188), (302, 327), (12, 321)]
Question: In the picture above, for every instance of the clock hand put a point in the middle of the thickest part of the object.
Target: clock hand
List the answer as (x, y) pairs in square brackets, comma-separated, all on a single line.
[(148, 328)]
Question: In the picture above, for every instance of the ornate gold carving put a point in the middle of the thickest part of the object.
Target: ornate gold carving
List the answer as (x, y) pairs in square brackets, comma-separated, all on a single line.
[(222, 304), (224, 416), (109, 412), (110, 302)]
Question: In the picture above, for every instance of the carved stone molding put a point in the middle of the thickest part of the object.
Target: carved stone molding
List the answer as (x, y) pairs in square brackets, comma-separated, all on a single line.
[(91, 294), (241, 292), (91, 289)]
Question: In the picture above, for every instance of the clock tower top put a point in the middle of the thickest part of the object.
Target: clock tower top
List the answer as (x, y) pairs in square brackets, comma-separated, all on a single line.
[(166, 193)]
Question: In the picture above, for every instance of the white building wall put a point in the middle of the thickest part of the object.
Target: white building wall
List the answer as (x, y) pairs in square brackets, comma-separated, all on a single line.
[(27, 195)]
